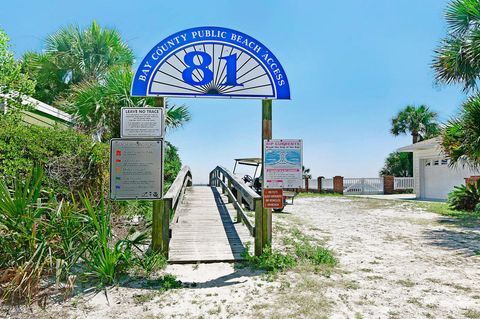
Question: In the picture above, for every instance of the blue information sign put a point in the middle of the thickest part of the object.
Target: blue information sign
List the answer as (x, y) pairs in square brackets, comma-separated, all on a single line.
[(211, 62)]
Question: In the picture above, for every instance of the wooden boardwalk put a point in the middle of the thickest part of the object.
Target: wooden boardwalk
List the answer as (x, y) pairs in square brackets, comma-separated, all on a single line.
[(203, 229)]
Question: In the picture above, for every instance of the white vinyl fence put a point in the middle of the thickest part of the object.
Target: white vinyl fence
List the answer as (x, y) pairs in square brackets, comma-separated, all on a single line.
[(312, 184), (404, 183), (327, 184), (362, 186)]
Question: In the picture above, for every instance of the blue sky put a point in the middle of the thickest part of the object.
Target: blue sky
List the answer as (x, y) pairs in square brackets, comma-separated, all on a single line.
[(351, 66)]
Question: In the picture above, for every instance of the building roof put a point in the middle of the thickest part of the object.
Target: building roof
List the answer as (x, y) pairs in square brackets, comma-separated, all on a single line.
[(430, 144), (43, 108)]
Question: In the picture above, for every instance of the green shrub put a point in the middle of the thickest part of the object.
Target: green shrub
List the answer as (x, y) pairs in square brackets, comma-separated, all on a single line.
[(172, 164), (271, 261), (104, 259), (71, 161), (41, 236), (465, 197), (317, 255), (151, 261), (37, 236)]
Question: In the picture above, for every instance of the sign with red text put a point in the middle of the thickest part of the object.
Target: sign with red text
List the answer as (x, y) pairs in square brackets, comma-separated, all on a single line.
[(282, 167), (273, 198)]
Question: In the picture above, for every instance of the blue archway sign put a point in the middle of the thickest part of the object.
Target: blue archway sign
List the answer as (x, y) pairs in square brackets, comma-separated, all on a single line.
[(211, 62)]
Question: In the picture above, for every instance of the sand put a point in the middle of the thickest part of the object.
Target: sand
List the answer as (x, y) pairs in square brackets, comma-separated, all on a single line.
[(395, 261)]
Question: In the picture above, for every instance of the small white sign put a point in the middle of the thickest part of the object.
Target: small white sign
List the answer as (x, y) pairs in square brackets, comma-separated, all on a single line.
[(283, 161), (142, 122)]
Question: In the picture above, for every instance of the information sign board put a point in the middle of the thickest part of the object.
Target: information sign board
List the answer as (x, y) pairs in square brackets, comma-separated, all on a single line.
[(136, 169), (282, 167), (137, 122)]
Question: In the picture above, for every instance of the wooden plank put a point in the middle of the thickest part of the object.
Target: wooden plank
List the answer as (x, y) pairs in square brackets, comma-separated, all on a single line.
[(203, 230)]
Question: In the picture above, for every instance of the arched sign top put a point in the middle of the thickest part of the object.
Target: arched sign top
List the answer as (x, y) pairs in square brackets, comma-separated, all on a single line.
[(211, 62)]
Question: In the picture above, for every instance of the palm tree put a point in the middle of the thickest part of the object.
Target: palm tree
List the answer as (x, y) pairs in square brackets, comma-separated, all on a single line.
[(398, 164), (73, 55), (306, 172), (461, 137), (457, 60), (96, 105), (419, 121)]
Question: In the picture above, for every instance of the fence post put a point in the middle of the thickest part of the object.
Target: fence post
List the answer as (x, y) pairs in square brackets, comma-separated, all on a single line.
[(223, 187), (388, 184), (160, 226), (338, 184), (258, 227), (319, 184), (240, 202), (306, 184), (229, 184)]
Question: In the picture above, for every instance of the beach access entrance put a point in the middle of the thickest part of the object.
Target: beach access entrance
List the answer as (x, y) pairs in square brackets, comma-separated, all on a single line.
[(211, 223)]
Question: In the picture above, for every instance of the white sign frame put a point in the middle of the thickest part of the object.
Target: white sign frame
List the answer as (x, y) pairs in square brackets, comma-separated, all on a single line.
[(142, 122), (120, 160), (283, 163)]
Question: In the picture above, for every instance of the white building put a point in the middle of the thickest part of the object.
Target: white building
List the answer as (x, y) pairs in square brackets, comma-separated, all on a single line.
[(434, 177)]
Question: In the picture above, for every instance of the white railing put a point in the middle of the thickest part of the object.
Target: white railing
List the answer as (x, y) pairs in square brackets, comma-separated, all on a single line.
[(312, 184), (360, 186), (404, 183), (327, 183)]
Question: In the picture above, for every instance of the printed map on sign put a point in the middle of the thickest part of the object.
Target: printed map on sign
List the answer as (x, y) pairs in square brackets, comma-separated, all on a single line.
[(283, 164)]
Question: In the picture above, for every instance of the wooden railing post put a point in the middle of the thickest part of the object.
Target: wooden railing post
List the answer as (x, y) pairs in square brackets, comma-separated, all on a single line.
[(229, 185), (160, 226), (259, 243), (223, 187)]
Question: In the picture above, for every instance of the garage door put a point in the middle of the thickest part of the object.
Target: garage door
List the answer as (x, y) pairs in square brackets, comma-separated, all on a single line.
[(439, 178)]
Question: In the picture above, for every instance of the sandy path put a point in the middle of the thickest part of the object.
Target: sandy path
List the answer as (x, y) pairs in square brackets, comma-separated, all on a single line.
[(396, 261), (400, 261)]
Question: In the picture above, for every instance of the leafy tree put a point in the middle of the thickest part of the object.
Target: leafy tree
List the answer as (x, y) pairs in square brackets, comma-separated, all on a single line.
[(461, 137), (173, 164), (97, 105), (71, 161), (73, 55), (13, 83), (457, 60), (419, 121), (398, 164), (306, 172)]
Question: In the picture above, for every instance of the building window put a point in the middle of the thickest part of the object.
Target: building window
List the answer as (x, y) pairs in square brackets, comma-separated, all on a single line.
[(444, 161), (436, 162), (428, 163)]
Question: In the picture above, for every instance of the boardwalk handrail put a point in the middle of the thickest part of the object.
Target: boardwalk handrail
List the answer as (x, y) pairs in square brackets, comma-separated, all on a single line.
[(221, 176), (164, 210), (177, 189), (237, 183)]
